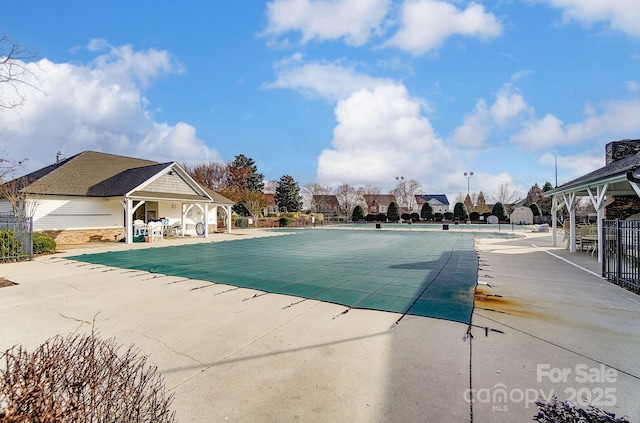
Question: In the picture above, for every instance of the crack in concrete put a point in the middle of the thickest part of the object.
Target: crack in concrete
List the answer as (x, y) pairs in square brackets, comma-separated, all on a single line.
[(169, 347), (74, 319)]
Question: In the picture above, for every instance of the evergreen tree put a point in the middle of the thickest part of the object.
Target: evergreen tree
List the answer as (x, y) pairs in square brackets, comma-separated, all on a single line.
[(498, 211), (536, 195), (357, 214), (459, 212), (288, 194), (481, 204), (426, 213), (242, 177), (393, 213), (535, 209)]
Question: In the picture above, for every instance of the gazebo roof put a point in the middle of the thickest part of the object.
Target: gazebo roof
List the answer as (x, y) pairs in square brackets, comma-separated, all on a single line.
[(613, 174)]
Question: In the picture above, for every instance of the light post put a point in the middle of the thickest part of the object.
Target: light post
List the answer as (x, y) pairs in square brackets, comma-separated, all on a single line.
[(555, 159), (468, 175), (401, 192)]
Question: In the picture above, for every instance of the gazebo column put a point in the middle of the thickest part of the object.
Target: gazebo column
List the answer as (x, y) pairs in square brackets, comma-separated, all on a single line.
[(571, 206), (555, 207), (598, 203), (228, 210)]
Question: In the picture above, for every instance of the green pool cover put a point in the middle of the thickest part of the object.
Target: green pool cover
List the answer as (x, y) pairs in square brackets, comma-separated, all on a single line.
[(430, 274)]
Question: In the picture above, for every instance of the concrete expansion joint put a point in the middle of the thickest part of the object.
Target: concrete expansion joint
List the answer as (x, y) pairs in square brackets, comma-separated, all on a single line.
[(486, 329)]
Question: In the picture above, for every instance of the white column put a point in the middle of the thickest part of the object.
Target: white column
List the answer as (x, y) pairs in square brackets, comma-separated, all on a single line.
[(206, 220), (554, 219), (228, 208), (128, 221), (571, 206), (598, 204)]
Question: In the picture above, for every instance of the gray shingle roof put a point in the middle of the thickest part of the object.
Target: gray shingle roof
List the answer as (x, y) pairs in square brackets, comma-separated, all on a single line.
[(90, 174), (618, 168), (94, 174)]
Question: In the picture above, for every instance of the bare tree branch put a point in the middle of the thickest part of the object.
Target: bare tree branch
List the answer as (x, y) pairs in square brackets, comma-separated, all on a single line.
[(14, 72)]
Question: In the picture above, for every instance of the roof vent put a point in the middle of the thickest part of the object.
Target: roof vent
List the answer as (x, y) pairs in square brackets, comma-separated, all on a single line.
[(59, 157)]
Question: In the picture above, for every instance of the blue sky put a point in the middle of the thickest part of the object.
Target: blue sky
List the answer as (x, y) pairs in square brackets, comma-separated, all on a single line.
[(333, 91)]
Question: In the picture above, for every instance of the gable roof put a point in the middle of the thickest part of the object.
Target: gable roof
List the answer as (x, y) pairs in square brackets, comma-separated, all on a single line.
[(325, 200), (218, 198), (441, 198), (90, 174), (381, 199), (94, 174), (614, 174)]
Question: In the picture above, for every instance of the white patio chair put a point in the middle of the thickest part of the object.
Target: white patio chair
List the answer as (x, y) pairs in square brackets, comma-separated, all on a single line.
[(140, 228), (155, 231)]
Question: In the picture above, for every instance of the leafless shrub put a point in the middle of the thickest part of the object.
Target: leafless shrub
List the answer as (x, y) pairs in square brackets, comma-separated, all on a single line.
[(81, 378)]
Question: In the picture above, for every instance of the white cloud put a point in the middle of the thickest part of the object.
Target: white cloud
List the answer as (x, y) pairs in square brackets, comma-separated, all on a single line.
[(633, 86), (330, 81), (616, 119), (97, 107), (426, 24), (508, 109), (622, 15), (381, 133), (355, 21), (123, 62)]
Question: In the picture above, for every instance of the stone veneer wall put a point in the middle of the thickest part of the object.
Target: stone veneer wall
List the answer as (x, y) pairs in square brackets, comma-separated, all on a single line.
[(625, 205), (622, 207), (617, 150), (80, 236)]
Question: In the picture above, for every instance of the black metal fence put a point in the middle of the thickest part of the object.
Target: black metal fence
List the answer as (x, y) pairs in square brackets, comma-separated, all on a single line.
[(621, 253), (16, 238)]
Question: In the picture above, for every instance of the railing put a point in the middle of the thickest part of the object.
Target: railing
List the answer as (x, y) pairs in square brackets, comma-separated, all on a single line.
[(16, 238), (621, 253)]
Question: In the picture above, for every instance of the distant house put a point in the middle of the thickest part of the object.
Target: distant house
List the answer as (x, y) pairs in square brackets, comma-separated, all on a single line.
[(271, 206), (325, 204), (378, 203), (439, 202), (95, 195)]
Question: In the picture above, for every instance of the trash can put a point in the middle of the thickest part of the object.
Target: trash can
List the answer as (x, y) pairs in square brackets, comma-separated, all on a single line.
[(242, 222), (378, 225), (445, 226)]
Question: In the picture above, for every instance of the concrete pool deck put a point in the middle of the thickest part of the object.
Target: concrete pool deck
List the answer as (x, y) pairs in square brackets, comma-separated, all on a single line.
[(540, 325)]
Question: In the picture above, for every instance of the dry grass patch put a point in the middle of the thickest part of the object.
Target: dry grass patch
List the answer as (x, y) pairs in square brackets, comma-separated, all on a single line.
[(6, 282)]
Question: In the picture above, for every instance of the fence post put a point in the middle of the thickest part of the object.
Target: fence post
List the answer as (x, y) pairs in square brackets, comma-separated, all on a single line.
[(618, 251)]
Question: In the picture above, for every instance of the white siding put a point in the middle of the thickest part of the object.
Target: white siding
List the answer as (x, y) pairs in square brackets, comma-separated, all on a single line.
[(58, 213), (5, 206)]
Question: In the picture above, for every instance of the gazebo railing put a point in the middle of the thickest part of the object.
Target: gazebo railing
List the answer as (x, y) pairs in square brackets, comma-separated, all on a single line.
[(621, 253)]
